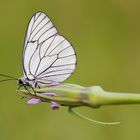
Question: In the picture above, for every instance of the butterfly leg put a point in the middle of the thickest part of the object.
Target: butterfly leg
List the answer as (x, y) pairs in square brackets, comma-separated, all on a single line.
[(19, 87), (33, 90)]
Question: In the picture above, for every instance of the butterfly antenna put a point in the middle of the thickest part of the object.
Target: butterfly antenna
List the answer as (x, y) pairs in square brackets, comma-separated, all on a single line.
[(6, 80), (14, 78)]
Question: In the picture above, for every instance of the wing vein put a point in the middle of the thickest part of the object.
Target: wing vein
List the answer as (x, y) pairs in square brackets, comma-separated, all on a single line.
[(39, 23), (40, 30), (56, 46), (56, 75), (55, 71), (46, 68)]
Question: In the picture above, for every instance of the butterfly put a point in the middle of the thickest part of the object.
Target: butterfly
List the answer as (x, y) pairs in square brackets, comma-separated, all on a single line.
[(47, 56)]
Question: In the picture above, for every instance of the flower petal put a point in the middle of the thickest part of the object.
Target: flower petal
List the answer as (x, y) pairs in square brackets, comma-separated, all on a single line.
[(34, 101), (54, 105)]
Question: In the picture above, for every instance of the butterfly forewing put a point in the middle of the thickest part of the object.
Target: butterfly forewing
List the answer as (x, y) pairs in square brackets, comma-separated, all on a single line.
[(40, 28), (47, 55)]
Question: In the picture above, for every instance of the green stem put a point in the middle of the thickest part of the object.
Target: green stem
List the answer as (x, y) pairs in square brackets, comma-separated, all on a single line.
[(119, 98), (99, 97), (75, 95)]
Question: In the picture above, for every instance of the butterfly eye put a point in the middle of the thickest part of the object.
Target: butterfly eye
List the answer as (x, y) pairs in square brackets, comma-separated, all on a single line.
[(20, 82)]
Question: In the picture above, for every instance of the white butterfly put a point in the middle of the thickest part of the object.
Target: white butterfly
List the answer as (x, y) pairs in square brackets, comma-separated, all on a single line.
[(48, 57)]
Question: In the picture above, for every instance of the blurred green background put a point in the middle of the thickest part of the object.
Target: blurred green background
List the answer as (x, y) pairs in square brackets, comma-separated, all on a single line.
[(106, 37)]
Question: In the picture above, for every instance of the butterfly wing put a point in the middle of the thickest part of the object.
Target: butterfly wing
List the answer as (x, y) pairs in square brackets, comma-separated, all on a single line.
[(47, 56)]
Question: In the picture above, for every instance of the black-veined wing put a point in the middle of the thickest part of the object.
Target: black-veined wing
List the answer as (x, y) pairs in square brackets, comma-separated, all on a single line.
[(47, 56)]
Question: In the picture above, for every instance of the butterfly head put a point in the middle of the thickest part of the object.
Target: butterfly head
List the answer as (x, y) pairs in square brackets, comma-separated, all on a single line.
[(25, 81), (20, 82)]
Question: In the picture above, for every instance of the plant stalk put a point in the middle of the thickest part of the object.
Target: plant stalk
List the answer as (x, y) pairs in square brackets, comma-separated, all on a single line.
[(75, 95)]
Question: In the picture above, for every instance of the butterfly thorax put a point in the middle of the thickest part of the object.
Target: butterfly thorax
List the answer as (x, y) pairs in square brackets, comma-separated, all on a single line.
[(24, 81)]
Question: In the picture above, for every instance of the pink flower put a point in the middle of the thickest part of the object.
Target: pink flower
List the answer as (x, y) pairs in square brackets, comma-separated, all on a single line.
[(33, 101), (54, 105)]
